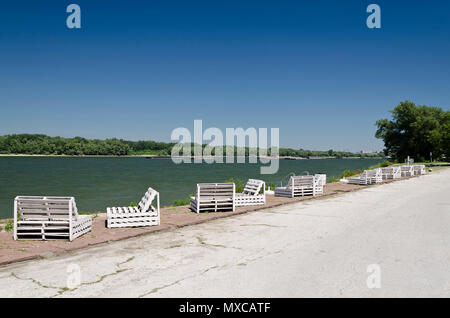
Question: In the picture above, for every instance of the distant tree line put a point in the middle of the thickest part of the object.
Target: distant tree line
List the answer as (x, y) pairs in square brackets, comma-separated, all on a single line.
[(77, 146), (288, 152), (415, 131), (45, 145)]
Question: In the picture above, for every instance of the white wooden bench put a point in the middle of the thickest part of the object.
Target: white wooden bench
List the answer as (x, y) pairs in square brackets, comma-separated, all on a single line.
[(214, 197), (48, 218), (375, 175), (367, 177), (251, 194), (320, 179), (407, 170), (389, 173), (363, 179), (145, 214), (297, 186), (419, 170)]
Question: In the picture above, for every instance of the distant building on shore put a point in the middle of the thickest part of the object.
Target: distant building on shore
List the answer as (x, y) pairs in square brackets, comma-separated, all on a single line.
[(367, 152)]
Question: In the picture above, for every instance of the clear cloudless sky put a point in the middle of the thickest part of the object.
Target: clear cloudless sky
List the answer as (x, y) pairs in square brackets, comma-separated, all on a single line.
[(139, 69)]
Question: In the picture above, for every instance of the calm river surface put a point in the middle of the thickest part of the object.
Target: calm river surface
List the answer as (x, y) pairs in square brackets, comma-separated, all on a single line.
[(97, 183)]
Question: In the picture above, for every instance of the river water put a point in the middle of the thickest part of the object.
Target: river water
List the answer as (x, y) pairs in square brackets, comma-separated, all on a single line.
[(97, 183)]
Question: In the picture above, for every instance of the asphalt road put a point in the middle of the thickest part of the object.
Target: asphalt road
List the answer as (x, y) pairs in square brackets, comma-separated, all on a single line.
[(390, 240)]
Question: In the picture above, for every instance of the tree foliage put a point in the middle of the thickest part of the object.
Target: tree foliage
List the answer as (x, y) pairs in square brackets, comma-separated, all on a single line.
[(45, 145), (78, 146), (415, 131)]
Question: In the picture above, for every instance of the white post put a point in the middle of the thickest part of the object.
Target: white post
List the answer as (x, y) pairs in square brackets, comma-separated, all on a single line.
[(314, 185), (70, 218), (292, 186), (215, 198), (264, 192), (198, 198), (15, 218), (234, 190), (159, 213)]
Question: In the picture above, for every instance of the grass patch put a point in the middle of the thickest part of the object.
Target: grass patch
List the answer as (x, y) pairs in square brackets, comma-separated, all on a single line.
[(9, 226), (187, 201), (349, 173), (239, 184), (383, 164), (345, 174)]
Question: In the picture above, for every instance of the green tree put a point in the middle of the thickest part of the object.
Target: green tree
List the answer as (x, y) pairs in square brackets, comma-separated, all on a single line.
[(415, 131)]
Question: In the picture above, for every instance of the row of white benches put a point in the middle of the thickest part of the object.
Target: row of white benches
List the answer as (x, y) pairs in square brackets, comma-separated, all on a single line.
[(53, 218), (49, 218), (215, 197), (388, 173)]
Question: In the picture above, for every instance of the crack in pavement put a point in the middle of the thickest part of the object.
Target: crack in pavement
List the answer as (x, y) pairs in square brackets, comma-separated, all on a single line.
[(202, 242), (157, 289), (246, 261), (278, 213), (61, 290), (34, 281), (322, 215), (262, 224)]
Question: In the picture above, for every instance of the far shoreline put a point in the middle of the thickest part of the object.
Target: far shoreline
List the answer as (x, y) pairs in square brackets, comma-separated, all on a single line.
[(169, 157)]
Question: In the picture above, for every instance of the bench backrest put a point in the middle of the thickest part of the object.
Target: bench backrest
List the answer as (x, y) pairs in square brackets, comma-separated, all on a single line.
[(321, 179), (253, 187), (301, 181), (46, 208), (374, 172), (387, 170), (407, 168), (215, 190), (364, 174), (146, 201)]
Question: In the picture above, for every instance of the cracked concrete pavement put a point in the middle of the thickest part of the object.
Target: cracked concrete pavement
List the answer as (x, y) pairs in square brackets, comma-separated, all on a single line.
[(316, 248)]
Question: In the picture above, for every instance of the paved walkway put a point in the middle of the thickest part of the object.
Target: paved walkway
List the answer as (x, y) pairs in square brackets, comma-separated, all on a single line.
[(397, 231)]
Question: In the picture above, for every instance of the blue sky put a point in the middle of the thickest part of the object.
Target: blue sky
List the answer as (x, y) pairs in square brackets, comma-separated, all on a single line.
[(139, 69)]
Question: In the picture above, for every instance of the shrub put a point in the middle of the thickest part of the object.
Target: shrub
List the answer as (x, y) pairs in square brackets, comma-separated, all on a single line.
[(383, 164), (133, 204), (182, 202), (238, 183), (332, 179), (348, 173), (9, 226)]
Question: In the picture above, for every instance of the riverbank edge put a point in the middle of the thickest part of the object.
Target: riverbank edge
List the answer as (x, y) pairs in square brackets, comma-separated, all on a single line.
[(213, 216), (170, 157)]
